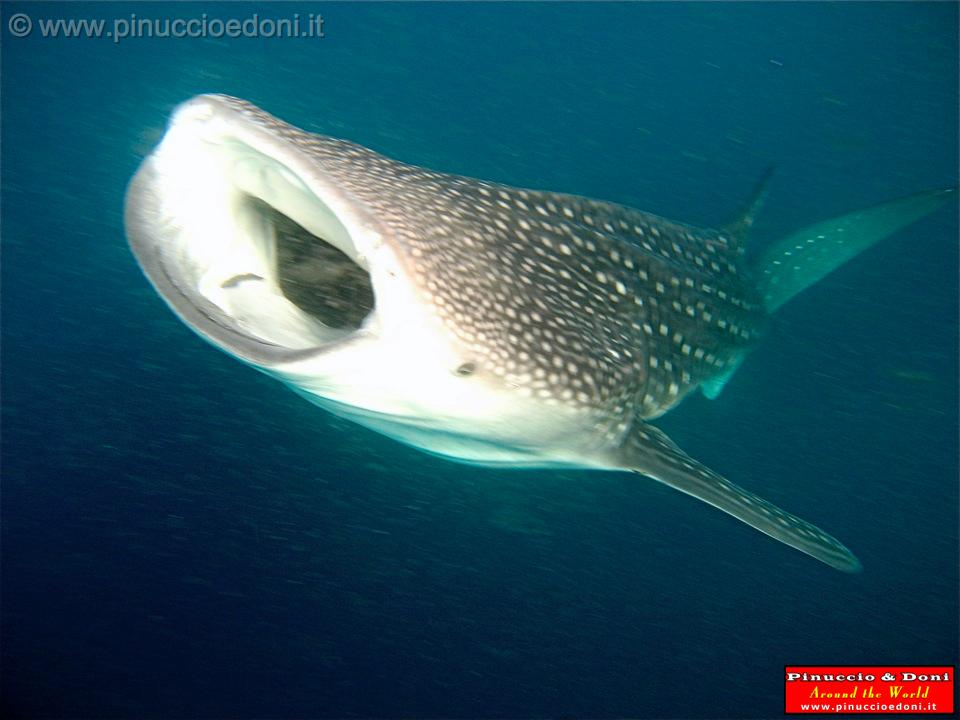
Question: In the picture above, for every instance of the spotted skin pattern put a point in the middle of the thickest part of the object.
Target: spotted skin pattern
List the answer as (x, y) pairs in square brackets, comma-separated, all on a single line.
[(570, 300)]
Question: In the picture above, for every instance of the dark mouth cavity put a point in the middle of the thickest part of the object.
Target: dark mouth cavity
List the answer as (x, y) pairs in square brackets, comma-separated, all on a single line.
[(315, 276)]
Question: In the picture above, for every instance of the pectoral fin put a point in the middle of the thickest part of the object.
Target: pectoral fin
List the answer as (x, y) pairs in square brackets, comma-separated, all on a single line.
[(650, 452), (713, 387)]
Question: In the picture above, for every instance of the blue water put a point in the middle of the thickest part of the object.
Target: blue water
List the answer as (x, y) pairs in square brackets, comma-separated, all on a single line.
[(182, 537)]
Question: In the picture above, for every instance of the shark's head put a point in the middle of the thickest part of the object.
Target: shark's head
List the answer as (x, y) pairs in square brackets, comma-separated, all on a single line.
[(292, 251), (250, 241)]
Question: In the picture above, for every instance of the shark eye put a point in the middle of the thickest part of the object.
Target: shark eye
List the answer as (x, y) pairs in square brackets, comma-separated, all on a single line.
[(314, 275), (468, 368)]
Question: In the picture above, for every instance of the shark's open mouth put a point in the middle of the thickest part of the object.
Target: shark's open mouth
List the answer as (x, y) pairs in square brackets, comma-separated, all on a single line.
[(314, 275), (247, 247), (322, 281)]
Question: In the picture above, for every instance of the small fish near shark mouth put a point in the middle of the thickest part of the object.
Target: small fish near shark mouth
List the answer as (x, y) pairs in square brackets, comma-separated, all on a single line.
[(477, 321)]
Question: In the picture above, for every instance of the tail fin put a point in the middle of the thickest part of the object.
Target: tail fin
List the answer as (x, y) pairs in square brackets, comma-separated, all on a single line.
[(796, 262)]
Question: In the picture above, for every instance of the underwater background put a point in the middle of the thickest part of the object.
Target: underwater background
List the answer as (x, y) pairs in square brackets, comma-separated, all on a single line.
[(182, 537)]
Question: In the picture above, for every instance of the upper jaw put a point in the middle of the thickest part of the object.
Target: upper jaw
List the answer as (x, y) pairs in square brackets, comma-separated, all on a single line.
[(219, 217)]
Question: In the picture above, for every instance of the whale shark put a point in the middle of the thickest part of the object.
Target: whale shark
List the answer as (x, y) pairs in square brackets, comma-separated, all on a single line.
[(484, 323)]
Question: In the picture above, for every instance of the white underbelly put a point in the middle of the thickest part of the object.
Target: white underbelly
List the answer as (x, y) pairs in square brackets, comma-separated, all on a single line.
[(418, 399), (515, 439)]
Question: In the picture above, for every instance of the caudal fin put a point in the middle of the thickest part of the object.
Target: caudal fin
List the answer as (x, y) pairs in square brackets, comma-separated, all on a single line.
[(796, 262)]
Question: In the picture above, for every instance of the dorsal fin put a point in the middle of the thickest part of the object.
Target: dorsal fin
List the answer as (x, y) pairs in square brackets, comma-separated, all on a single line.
[(741, 224)]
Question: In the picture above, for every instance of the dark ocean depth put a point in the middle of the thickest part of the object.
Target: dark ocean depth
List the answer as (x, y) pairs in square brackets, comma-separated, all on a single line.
[(182, 537)]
